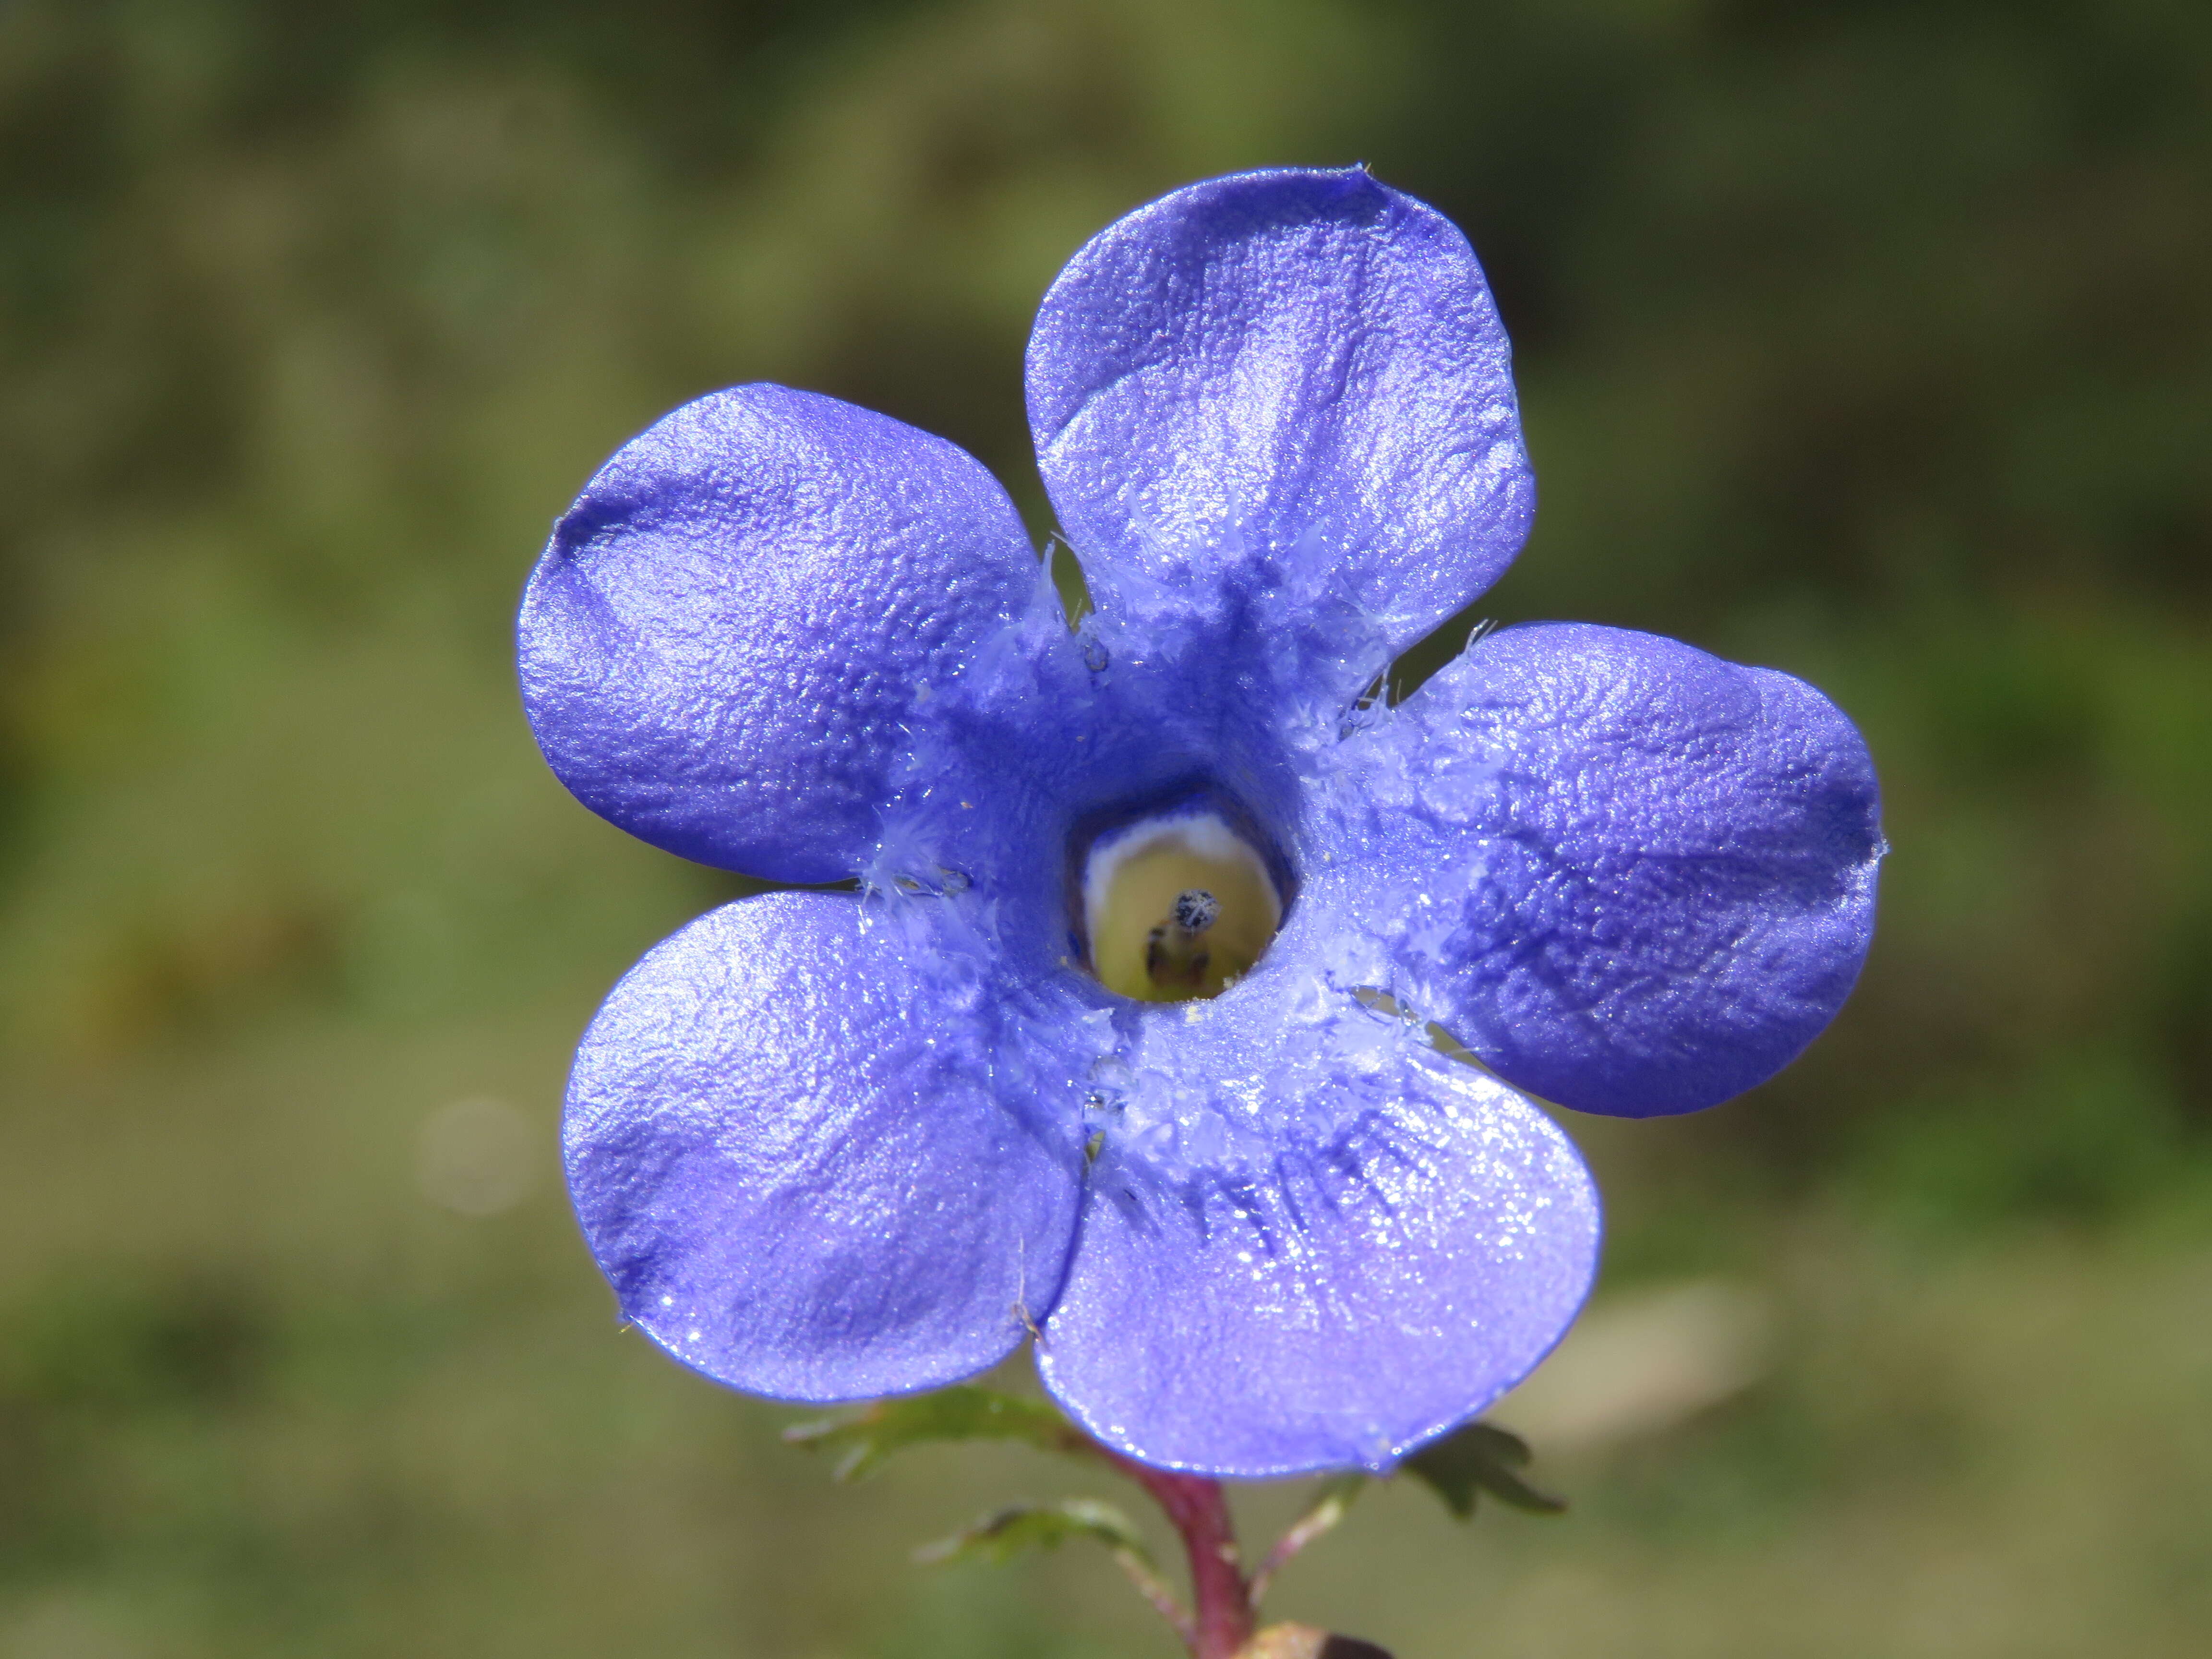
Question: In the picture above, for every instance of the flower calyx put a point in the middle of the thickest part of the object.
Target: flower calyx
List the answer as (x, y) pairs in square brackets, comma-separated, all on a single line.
[(1288, 1641)]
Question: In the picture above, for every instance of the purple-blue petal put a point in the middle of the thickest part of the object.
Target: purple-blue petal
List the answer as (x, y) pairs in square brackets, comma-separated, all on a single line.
[(1309, 1240), (1290, 388), (729, 632), (804, 1152), (1632, 878)]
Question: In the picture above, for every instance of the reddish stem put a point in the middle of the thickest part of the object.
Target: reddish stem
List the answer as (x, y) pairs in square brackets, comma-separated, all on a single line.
[(1222, 1618)]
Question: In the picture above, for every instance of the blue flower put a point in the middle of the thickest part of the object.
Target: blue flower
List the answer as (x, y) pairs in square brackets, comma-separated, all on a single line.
[(1125, 1041)]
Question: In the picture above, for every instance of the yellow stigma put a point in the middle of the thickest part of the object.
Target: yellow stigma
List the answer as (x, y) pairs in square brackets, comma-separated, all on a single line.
[(1176, 909)]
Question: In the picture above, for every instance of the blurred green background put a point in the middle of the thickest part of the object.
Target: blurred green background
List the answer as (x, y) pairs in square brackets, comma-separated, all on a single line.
[(1866, 340)]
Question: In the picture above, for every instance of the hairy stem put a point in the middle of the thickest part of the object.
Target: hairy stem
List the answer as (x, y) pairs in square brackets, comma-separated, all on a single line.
[(1221, 1620)]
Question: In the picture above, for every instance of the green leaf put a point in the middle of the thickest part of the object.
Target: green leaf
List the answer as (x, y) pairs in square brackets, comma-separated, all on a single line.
[(1480, 1459), (1005, 1534), (859, 1445)]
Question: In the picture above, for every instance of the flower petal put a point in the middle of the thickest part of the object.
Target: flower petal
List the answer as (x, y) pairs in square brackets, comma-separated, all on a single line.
[(728, 631), (1292, 383), (800, 1153), (1632, 878), (1310, 1242)]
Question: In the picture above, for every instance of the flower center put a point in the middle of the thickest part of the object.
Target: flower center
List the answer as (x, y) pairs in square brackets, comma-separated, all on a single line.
[(1176, 908)]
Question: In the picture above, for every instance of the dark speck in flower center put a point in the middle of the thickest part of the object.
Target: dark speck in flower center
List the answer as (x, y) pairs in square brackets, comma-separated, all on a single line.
[(1177, 906), (1195, 910)]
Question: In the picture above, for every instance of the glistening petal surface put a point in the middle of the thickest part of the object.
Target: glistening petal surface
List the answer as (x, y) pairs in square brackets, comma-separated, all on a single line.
[(826, 1148), (1631, 877), (793, 1153), (727, 635), (1292, 385), (1310, 1242)]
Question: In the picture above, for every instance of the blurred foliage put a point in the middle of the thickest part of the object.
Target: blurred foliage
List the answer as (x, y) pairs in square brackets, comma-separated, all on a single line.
[(859, 1445), (1477, 1459), (1865, 339), (1020, 1529)]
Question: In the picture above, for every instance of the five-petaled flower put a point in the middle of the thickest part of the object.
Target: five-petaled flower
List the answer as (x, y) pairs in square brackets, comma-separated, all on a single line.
[(832, 1144)]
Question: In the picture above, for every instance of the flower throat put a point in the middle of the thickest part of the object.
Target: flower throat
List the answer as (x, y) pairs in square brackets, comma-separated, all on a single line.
[(1176, 909)]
